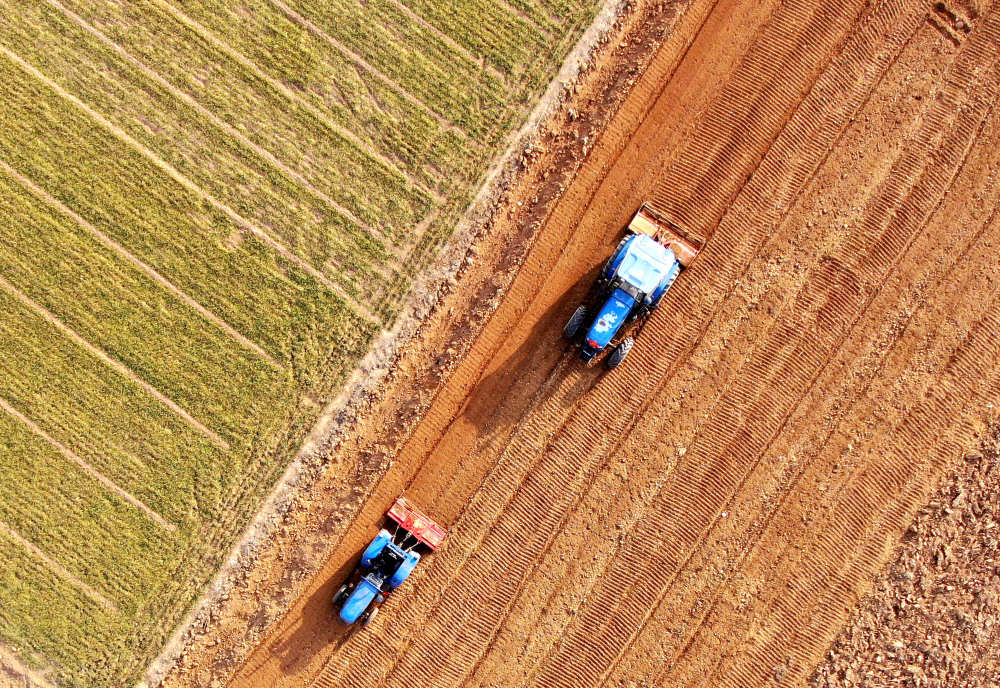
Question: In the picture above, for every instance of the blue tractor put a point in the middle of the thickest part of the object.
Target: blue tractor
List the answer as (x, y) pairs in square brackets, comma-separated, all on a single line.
[(630, 286), (387, 562)]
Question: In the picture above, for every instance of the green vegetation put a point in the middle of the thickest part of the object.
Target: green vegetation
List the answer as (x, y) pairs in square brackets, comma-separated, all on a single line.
[(229, 200)]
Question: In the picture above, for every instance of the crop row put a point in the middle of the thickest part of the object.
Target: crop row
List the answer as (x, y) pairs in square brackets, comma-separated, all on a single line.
[(184, 137), (105, 418), (44, 611), (272, 302), (187, 138)]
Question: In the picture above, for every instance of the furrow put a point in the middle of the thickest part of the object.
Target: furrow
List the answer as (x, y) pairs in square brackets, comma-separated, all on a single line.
[(90, 470), (56, 568), (191, 186), (114, 364), (221, 45), (791, 359), (131, 258)]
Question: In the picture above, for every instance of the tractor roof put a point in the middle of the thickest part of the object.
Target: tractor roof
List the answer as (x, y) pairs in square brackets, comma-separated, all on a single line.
[(646, 263)]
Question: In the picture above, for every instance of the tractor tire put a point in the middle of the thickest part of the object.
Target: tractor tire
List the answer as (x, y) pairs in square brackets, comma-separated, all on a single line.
[(368, 616), (619, 353), (575, 322), (341, 595)]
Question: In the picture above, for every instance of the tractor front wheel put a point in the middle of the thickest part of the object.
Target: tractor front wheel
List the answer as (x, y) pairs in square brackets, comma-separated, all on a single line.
[(368, 616), (341, 595), (575, 322), (619, 353)]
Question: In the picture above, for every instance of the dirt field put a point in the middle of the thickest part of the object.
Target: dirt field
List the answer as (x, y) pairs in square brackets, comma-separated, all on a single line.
[(711, 512), (932, 618)]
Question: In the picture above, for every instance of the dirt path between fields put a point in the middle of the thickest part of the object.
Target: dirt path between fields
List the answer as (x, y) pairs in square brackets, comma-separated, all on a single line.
[(709, 513)]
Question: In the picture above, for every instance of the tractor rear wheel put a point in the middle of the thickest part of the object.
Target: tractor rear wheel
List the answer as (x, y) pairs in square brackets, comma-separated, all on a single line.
[(575, 322), (619, 353)]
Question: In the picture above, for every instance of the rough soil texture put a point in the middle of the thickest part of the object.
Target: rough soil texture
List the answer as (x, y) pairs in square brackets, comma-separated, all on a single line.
[(933, 618), (712, 511)]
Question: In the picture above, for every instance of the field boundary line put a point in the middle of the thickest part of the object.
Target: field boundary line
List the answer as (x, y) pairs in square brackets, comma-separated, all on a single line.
[(90, 470), (374, 71), (566, 74), (57, 568), (452, 43), (191, 186), (323, 676), (114, 363), (151, 272), (182, 95), (247, 63)]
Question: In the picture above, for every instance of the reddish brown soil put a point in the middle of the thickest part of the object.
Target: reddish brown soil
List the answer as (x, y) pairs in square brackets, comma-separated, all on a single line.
[(933, 618), (709, 513)]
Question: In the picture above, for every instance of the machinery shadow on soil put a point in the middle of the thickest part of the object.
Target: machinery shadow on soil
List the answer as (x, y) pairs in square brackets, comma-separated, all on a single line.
[(543, 364), (320, 626), (539, 367)]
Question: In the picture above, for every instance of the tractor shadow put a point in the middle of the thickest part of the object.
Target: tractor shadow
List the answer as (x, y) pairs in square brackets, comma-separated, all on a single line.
[(319, 629), (543, 365)]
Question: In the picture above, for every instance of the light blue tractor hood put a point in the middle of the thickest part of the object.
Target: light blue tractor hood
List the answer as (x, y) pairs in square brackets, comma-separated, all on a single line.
[(358, 602)]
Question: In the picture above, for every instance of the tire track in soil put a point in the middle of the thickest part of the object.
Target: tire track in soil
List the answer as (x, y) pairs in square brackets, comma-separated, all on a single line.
[(443, 414), (687, 595), (829, 459), (898, 462), (557, 583), (581, 194), (647, 562), (328, 677), (446, 593), (466, 622), (851, 541)]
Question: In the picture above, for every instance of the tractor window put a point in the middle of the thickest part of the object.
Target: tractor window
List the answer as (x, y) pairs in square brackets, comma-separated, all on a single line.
[(642, 273)]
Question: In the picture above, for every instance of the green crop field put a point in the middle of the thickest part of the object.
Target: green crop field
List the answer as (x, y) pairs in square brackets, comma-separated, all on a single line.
[(208, 209)]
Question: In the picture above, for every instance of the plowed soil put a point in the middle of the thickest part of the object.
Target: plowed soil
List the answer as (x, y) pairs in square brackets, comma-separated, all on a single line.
[(710, 512), (933, 617)]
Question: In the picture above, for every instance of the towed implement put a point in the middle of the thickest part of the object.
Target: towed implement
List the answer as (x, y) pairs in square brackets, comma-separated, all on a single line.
[(387, 562), (631, 285)]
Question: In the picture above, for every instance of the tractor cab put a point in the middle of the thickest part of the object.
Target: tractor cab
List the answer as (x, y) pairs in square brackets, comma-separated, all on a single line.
[(638, 274), (630, 286)]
